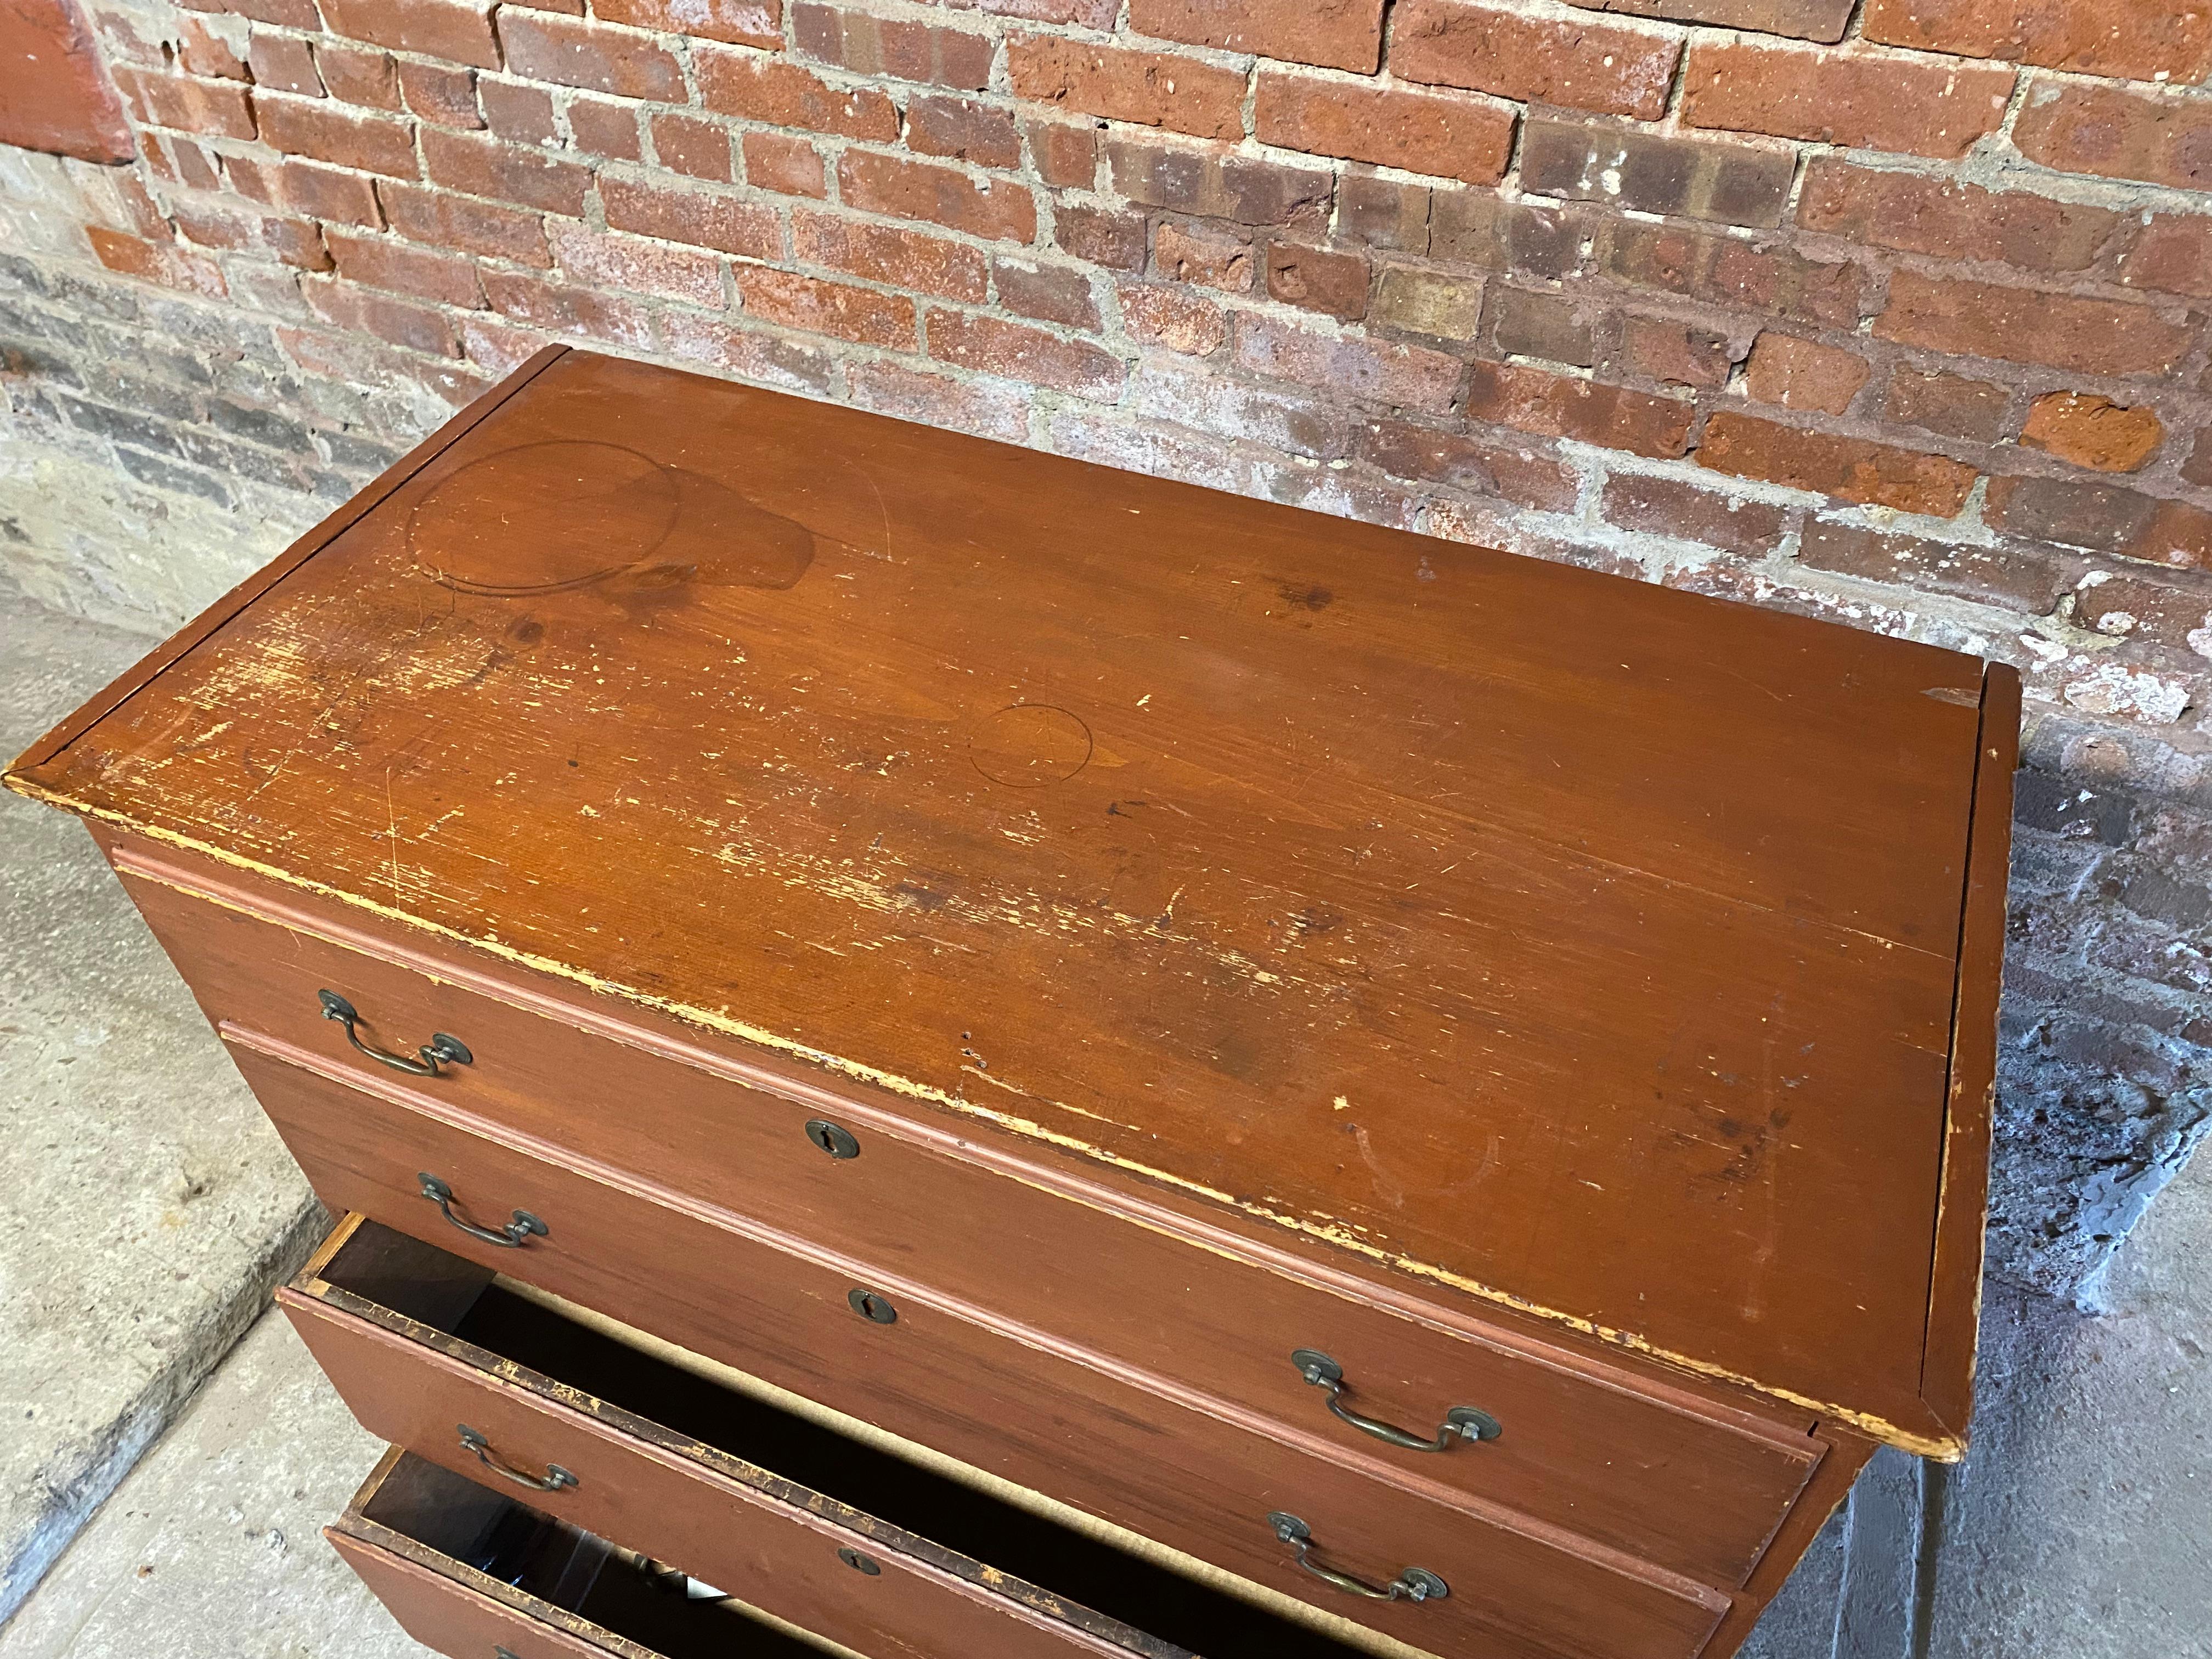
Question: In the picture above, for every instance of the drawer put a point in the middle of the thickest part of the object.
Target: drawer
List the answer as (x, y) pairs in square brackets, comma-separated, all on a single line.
[(770, 1507), (1701, 1494), (1192, 1472)]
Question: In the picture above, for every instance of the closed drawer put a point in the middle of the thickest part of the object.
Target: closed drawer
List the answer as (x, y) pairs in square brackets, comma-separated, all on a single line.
[(794, 1519), (1191, 1472), (1697, 1493)]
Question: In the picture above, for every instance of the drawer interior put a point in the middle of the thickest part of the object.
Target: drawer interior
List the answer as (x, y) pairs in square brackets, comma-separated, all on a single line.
[(434, 1288)]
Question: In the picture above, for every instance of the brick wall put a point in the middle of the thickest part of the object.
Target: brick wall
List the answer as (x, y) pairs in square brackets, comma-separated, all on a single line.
[(1896, 312)]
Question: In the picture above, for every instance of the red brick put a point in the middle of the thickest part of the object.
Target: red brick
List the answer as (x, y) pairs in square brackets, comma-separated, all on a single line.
[(1413, 377), (1807, 19), (460, 33), (1172, 316), (2105, 518), (2197, 469), (686, 144), (195, 162), (1208, 183), (496, 348), (223, 108), (283, 14), (438, 92), (1016, 352), (1479, 228), (2017, 576), (1346, 34), (373, 143), (1066, 153), (376, 261), (1566, 406), (601, 128), (1150, 88), (636, 266), (1051, 293), (560, 309), (2136, 39), (938, 400), (1444, 305), (2173, 254), (1331, 280), (482, 228), (1667, 506), (1804, 373), (902, 49), (1451, 136), (320, 192), (571, 53), (740, 23), (1104, 236), (295, 241), (1728, 270), (518, 112), (785, 95), (1948, 220), (2117, 133), (1091, 13), (2093, 432), (2018, 324), (201, 53), (1847, 469), (282, 63), (1560, 328), (1514, 472), (506, 172), (2180, 535), (859, 314), (352, 76), (1676, 353), (788, 166), (1874, 100), (157, 262), (2126, 606), (748, 229), (1730, 183), (1498, 49), (1001, 210), (1212, 255), (963, 129), (749, 353), (888, 255), (401, 322), (1950, 404)]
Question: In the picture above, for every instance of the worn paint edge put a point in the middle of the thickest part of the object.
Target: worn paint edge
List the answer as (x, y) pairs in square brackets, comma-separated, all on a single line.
[(1948, 1448)]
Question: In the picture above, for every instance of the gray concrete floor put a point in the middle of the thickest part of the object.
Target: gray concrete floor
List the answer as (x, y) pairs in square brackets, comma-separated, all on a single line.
[(145, 1208)]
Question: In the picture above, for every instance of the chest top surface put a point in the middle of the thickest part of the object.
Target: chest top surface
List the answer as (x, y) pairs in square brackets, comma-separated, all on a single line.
[(1576, 943)]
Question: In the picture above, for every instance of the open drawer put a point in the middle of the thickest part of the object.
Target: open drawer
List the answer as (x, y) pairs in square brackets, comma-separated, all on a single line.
[(838, 1538)]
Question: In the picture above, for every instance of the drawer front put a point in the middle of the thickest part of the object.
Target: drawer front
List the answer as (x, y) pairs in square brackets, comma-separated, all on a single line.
[(1695, 1494), (1166, 1464), (455, 1618)]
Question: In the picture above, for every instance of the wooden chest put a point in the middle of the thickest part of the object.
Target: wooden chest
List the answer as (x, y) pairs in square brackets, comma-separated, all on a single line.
[(994, 1057)]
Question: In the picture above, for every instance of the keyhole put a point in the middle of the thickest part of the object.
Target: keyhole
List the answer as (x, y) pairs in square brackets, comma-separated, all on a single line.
[(835, 1141), (869, 1305), (858, 1562)]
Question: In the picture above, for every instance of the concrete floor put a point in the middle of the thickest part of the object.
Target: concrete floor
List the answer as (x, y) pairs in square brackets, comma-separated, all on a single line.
[(2081, 1527)]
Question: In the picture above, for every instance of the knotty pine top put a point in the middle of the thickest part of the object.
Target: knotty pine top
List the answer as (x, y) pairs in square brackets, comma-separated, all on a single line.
[(1581, 945)]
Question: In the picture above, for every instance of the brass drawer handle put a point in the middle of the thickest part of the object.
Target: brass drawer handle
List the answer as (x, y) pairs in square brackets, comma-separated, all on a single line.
[(450, 1049), (1414, 1585), (1460, 1422), (556, 1476), (514, 1236)]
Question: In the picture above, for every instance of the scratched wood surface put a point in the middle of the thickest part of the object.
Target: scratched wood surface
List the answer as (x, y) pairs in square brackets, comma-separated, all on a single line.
[(1573, 942)]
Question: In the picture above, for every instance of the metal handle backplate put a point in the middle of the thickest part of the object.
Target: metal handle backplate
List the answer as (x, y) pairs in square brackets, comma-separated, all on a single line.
[(516, 1233), (451, 1050), (1460, 1422), (556, 1477), (1414, 1585)]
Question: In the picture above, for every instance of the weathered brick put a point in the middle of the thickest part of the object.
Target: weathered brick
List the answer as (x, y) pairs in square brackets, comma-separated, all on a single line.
[(1874, 100), (283, 14), (482, 228), (632, 264), (998, 209), (317, 192), (1676, 353), (963, 128), (1495, 48), (1066, 152), (202, 53), (1949, 220), (1441, 304), (157, 262), (785, 164), (1051, 293), (1847, 469), (2102, 517), (602, 127), (1172, 316), (1149, 88), (704, 218), (460, 33), (887, 254), (1450, 135), (1557, 327), (2093, 431), (1209, 184), (1345, 34), (1017, 352), (1412, 377), (2025, 325), (2180, 535), (1520, 473), (517, 111), (363, 311), (785, 95), (223, 108), (2136, 39), (1806, 20), (1104, 236), (2173, 254), (1294, 423), (1385, 213), (1566, 406), (1668, 506), (493, 347), (284, 62), (859, 314), (378, 262), (2126, 604), (908, 51), (561, 309), (1331, 280), (1480, 229), (2019, 576), (1683, 177), (1804, 373), (353, 75), (571, 53), (312, 127), (440, 93), (478, 166), (740, 23), (1211, 256), (2117, 133), (912, 394), (2197, 469), (1758, 276), (296, 242), (686, 144), (1950, 404)]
